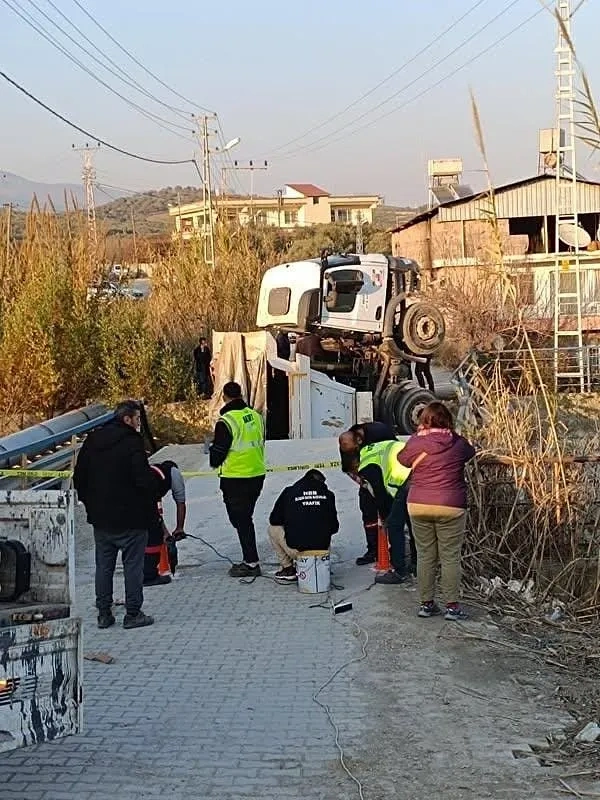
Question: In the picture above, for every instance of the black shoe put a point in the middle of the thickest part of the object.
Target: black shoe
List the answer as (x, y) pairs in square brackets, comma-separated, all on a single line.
[(287, 574), (390, 577), (244, 571), (139, 620), (160, 580), (368, 558), (105, 619)]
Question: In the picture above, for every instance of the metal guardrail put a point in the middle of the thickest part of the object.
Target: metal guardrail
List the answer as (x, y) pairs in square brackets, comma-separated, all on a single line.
[(42, 448), (53, 445), (514, 364)]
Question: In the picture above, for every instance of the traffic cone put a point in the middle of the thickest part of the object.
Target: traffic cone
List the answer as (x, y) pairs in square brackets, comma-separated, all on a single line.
[(383, 550), (164, 567)]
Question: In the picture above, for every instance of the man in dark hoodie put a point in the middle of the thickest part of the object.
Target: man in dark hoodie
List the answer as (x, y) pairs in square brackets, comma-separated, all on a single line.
[(115, 483), (238, 452), (350, 443), (304, 517)]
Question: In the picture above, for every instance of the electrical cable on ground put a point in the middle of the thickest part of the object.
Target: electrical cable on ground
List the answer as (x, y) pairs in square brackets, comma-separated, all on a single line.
[(385, 80), (364, 642), (395, 94), (137, 61), (420, 94), (92, 135)]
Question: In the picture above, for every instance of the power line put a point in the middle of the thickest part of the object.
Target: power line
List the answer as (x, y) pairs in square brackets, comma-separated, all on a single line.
[(92, 135), (412, 82), (311, 149), (385, 80), (137, 61), (33, 23), (118, 72)]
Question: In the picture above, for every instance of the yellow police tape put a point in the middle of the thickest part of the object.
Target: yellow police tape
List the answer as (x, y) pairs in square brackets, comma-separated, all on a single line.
[(48, 473)]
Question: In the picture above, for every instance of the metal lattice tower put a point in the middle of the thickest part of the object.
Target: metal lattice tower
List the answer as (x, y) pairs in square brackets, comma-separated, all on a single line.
[(568, 327), (89, 182)]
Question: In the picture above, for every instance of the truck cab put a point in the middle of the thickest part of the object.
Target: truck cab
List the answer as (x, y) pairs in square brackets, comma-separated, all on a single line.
[(334, 293), (363, 323)]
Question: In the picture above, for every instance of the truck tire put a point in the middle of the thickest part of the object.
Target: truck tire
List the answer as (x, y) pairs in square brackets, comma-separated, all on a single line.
[(401, 406), (422, 328)]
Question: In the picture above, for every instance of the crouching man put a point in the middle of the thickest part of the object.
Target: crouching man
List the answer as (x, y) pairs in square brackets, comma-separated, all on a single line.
[(304, 517)]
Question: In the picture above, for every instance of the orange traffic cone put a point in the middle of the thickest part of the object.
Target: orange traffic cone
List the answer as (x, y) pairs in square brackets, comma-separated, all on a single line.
[(164, 567), (383, 550)]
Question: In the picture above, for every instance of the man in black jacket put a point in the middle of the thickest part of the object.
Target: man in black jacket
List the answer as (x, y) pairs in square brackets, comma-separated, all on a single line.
[(202, 359), (350, 444), (115, 483), (304, 517), (238, 452)]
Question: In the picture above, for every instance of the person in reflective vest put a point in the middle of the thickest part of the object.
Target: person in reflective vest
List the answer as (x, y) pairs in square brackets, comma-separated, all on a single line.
[(350, 443), (379, 469), (238, 453), (160, 542)]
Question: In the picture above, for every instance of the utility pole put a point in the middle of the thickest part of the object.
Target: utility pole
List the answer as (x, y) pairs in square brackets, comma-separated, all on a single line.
[(135, 253), (8, 207), (251, 167), (208, 220), (360, 245), (89, 181), (279, 206), (568, 326)]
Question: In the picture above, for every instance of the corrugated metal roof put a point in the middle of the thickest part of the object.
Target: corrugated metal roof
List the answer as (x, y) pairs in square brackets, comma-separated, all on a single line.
[(531, 197)]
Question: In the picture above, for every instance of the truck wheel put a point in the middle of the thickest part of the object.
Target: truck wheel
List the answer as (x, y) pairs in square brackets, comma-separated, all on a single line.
[(402, 405), (410, 405), (422, 328)]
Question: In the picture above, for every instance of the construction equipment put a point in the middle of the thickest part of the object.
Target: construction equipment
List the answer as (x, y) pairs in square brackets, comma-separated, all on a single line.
[(364, 323)]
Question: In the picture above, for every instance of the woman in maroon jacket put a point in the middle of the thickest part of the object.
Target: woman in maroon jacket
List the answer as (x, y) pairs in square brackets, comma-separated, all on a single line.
[(437, 502)]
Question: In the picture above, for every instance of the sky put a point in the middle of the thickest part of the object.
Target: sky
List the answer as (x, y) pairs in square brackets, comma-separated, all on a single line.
[(291, 80)]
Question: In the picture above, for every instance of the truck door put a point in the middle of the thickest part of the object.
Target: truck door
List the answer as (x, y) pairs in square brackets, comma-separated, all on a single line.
[(354, 298)]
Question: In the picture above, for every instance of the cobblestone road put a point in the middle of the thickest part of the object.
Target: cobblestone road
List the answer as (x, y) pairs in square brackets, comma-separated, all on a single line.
[(215, 701)]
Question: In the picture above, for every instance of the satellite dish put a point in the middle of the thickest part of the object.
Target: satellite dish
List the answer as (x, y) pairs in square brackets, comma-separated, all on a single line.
[(573, 235)]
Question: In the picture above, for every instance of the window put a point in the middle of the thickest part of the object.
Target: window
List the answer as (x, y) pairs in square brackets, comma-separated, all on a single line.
[(187, 224), (341, 215), (279, 302), (260, 218), (290, 217), (343, 286), (315, 201), (524, 288)]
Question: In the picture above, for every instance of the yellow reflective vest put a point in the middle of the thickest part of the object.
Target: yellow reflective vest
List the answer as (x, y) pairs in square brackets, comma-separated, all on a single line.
[(246, 456)]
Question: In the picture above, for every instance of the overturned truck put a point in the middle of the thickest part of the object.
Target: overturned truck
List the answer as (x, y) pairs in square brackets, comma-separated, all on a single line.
[(361, 320)]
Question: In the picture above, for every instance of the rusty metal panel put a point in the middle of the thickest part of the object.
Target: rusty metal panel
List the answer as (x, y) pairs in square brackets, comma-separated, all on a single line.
[(40, 682)]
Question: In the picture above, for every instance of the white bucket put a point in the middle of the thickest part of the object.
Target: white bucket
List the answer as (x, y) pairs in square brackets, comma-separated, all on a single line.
[(312, 568)]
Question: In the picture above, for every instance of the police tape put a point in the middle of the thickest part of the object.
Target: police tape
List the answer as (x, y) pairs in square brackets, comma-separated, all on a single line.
[(65, 474)]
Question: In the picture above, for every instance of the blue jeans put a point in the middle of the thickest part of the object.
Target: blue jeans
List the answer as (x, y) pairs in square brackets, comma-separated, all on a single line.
[(397, 520)]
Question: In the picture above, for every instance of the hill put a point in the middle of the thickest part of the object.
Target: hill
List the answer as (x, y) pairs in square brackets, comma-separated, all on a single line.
[(20, 192), (149, 210)]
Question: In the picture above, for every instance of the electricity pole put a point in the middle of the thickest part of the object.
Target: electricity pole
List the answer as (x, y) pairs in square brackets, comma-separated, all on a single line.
[(135, 254), (208, 220), (360, 245), (89, 181), (251, 168), (8, 207)]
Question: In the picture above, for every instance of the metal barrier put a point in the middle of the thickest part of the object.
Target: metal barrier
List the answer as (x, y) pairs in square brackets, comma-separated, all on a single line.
[(50, 445), (515, 365)]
